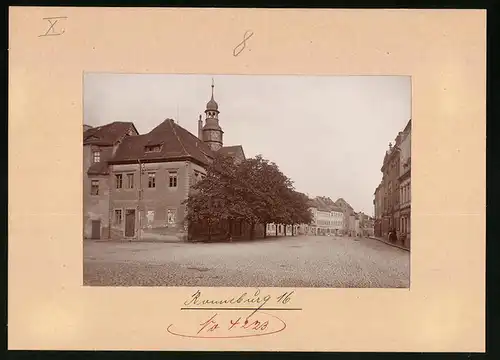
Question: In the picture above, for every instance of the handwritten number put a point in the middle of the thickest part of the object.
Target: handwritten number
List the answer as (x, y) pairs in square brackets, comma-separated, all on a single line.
[(52, 31), (242, 45), (285, 298)]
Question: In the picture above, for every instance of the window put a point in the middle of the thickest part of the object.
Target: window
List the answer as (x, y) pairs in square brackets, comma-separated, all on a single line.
[(172, 179), (151, 180), (94, 188), (119, 181), (118, 217), (96, 155), (153, 148), (130, 181), (171, 216)]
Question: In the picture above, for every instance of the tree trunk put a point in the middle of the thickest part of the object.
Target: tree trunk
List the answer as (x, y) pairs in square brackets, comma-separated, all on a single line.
[(252, 231), (265, 230), (230, 230), (276, 229), (292, 229), (209, 232)]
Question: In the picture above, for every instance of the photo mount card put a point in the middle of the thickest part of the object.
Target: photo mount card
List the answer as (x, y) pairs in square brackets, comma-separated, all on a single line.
[(115, 263)]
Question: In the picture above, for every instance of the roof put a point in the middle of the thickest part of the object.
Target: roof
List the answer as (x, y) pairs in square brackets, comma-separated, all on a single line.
[(99, 168), (342, 201), (107, 135), (324, 204), (408, 126), (175, 143), (212, 104), (231, 150)]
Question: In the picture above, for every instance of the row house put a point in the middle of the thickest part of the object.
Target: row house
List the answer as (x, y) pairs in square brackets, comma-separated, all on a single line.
[(348, 211), (328, 219), (392, 195), (405, 187), (282, 230)]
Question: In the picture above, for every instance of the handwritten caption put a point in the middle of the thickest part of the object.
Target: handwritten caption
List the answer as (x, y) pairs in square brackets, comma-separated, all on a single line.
[(242, 45), (246, 315), (52, 29)]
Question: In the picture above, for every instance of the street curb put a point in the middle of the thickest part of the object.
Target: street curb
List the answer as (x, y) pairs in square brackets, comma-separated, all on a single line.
[(388, 243)]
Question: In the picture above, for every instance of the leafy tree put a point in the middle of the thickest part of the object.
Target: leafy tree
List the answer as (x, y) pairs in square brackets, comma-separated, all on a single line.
[(254, 190), (268, 186), (219, 196), (299, 205)]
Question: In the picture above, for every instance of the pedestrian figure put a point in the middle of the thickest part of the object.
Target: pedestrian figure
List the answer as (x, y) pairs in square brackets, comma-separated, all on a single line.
[(393, 237)]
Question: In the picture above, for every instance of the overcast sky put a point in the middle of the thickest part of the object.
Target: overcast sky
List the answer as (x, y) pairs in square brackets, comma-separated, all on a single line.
[(327, 133)]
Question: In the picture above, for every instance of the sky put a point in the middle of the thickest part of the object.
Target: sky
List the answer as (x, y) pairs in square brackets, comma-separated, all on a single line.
[(328, 134)]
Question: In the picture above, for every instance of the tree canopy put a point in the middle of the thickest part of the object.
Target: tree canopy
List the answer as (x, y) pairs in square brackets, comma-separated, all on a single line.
[(254, 190)]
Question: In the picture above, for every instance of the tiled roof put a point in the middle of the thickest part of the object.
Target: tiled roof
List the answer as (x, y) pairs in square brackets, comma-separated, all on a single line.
[(107, 134), (231, 150), (100, 168), (174, 141), (323, 204), (340, 201)]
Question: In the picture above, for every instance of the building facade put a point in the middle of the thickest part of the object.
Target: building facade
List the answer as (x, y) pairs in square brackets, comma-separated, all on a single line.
[(348, 211), (328, 219), (405, 186), (283, 230), (99, 146), (135, 185), (378, 209), (392, 196)]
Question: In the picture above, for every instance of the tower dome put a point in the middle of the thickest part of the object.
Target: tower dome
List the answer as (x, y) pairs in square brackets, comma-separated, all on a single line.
[(212, 104)]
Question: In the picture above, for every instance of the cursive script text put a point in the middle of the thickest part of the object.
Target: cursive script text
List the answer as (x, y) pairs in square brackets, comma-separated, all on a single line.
[(219, 326)]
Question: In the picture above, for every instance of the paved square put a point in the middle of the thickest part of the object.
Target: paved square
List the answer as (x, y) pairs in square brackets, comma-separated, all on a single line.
[(284, 262)]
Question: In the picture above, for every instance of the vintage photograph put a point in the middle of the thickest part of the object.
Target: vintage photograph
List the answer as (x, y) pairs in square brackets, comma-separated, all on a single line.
[(246, 180)]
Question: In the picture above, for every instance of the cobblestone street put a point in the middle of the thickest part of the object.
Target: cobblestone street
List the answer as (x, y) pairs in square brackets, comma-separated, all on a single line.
[(284, 262)]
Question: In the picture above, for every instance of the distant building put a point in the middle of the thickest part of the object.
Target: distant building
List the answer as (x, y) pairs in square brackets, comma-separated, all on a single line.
[(378, 202), (327, 217), (347, 210), (369, 227), (283, 230), (357, 227)]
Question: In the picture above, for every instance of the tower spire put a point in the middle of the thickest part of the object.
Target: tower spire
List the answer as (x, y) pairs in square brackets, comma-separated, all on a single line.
[(213, 88)]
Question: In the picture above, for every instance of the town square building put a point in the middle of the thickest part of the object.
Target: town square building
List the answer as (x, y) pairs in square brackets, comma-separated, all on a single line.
[(348, 211), (405, 186), (327, 218), (135, 185), (392, 197)]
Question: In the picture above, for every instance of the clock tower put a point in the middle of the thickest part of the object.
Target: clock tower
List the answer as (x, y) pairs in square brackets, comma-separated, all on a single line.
[(212, 132)]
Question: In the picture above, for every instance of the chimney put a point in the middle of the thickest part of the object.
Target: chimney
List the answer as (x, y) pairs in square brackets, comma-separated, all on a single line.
[(200, 129)]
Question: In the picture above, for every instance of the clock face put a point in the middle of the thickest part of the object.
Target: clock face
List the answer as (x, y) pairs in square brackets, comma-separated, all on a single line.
[(216, 135)]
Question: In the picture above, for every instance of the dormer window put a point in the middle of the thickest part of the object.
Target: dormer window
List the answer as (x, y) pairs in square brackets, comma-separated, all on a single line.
[(153, 148), (96, 156)]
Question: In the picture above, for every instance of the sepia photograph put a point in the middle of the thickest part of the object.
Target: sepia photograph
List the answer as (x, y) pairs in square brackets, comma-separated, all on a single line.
[(246, 180)]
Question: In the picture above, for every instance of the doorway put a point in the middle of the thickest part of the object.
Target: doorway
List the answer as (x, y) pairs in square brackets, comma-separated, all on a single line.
[(129, 223), (96, 229)]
